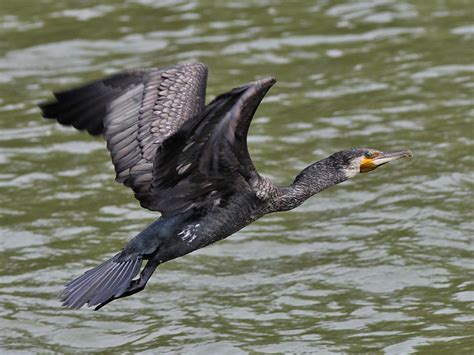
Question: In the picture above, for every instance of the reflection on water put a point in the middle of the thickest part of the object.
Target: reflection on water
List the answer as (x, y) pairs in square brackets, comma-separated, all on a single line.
[(383, 262)]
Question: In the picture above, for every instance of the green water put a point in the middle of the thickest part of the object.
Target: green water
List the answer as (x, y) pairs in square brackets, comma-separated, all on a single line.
[(383, 263)]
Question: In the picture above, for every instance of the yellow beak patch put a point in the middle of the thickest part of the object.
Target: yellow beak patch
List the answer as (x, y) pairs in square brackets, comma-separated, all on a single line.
[(367, 164)]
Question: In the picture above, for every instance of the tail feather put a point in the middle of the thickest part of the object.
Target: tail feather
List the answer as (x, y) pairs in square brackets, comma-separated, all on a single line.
[(98, 285), (94, 287), (115, 285)]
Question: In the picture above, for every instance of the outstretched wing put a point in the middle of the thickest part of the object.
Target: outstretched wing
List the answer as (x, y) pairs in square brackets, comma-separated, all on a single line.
[(135, 111), (207, 159)]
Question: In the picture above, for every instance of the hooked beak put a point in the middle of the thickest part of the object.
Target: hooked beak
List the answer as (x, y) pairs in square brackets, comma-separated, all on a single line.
[(382, 158)]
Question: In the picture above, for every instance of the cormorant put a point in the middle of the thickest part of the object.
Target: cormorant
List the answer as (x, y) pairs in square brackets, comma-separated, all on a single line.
[(188, 161)]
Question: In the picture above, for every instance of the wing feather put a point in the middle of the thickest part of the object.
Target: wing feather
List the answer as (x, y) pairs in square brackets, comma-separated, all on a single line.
[(135, 111), (172, 151), (207, 159)]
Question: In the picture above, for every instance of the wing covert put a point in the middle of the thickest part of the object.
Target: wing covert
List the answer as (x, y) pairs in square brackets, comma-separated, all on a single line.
[(207, 159), (135, 111)]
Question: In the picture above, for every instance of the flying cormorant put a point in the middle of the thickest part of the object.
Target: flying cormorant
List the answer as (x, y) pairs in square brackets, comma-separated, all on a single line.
[(188, 161)]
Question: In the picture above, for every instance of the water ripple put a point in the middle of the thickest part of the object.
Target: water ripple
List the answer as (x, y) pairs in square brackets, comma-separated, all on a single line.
[(380, 263)]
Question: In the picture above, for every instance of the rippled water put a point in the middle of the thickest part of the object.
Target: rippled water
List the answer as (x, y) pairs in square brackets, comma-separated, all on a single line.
[(381, 263)]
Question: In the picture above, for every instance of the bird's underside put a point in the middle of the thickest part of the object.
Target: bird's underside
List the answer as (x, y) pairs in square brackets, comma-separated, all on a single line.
[(173, 151)]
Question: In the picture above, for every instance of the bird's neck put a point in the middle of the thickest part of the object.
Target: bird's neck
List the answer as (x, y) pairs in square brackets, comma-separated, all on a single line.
[(313, 179)]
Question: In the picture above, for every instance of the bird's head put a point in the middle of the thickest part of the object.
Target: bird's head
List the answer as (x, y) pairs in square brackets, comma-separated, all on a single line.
[(362, 160)]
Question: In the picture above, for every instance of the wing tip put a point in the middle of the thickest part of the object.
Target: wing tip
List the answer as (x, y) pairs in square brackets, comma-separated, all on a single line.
[(268, 81), (45, 107), (262, 85)]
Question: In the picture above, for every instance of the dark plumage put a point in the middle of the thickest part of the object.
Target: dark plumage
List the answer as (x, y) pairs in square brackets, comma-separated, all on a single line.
[(186, 160)]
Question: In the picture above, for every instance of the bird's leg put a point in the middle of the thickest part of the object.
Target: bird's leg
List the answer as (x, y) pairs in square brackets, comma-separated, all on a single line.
[(136, 285)]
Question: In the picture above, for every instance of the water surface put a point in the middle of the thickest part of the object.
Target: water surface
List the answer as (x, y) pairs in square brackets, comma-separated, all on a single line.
[(382, 263)]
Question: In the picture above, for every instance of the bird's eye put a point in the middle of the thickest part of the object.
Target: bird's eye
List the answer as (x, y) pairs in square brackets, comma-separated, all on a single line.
[(368, 154)]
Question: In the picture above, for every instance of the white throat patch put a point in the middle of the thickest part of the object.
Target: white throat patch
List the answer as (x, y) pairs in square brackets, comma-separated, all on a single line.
[(354, 168)]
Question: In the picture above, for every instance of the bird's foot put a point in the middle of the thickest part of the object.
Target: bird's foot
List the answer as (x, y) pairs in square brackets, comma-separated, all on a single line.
[(135, 287)]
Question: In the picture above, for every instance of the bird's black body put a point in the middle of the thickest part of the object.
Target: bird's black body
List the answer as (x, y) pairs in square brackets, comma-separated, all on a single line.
[(186, 160)]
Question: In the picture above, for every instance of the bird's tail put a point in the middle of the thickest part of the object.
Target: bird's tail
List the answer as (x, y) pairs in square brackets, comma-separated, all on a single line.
[(98, 285)]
